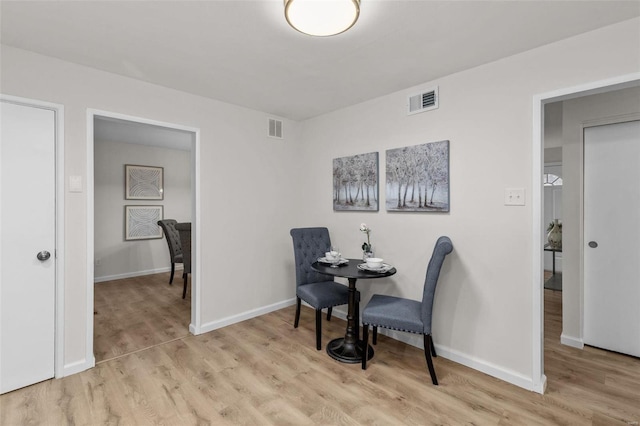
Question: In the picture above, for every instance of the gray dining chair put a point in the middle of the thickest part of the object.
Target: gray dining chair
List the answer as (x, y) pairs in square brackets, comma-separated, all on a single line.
[(408, 315), (173, 241), (318, 290), (184, 229)]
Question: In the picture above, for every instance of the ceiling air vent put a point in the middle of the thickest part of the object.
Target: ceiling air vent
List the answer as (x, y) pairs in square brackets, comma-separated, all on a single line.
[(424, 101), (275, 128)]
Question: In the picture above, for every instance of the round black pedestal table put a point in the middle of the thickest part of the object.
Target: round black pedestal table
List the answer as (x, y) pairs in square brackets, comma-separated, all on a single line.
[(350, 348)]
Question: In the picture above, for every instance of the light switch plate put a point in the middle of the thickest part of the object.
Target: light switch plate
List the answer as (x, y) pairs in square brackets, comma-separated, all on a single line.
[(514, 197)]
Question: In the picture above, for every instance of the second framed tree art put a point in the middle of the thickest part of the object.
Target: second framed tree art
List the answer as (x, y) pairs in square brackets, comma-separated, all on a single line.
[(418, 178)]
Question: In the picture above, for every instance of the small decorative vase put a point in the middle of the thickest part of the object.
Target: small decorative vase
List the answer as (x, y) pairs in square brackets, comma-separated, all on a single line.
[(554, 237), (367, 254)]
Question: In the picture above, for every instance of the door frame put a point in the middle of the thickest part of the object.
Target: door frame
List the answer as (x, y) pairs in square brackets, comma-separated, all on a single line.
[(539, 380), (59, 255), (195, 326)]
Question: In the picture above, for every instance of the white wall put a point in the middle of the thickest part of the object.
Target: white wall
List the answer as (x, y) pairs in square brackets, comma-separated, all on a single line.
[(552, 129), (247, 186), (483, 312), (254, 189), (576, 114), (114, 256)]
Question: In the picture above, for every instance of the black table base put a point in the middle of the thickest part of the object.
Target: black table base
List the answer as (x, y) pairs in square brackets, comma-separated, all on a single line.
[(349, 349), (348, 352)]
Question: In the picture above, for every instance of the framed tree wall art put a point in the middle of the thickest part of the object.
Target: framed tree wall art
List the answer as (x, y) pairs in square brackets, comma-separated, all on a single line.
[(143, 182), (418, 178), (141, 222), (355, 182)]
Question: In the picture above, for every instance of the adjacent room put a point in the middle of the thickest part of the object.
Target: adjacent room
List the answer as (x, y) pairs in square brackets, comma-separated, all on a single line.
[(214, 213), (136, 303)]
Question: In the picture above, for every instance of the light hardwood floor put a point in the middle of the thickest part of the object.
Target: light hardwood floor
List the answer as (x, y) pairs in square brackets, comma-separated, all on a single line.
[(136, 313), (264, 372)]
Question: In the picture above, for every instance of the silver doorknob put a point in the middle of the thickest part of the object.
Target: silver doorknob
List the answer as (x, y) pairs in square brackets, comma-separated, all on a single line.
[(593, 244), (43, 255)]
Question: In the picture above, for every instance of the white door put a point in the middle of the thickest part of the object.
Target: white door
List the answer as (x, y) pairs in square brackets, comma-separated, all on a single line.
[(612, 237), (27, 225)]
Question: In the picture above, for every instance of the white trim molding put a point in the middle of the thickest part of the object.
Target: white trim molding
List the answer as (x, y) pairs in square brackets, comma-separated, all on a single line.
[(79, 366), (214, 325), (493, 370), (574, 342), (134, 274), (478, 364), (196, 268)]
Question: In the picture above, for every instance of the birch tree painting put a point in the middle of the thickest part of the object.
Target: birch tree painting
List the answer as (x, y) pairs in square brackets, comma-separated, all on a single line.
[(355, 182), (418, 178)]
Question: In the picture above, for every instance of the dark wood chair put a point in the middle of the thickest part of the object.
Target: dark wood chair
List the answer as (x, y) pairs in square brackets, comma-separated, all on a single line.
[(173, 241), (184, 229)]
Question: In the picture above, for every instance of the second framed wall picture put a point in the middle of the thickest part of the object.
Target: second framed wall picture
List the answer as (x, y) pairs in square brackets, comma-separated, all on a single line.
[(418, 178), (143, 182), (141, 222), (355, 182)]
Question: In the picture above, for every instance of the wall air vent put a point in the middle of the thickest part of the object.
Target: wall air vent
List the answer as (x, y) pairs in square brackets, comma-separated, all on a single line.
[(422, 102), (275, 128)]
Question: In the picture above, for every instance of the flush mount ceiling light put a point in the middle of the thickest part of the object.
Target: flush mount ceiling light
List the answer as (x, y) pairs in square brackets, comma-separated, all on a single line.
[(321, 17)]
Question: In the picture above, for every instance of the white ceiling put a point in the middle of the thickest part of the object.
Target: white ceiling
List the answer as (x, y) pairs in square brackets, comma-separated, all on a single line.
[(243, 52)]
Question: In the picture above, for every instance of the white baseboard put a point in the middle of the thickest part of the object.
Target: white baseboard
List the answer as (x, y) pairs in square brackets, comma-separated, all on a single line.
[(214, 325), (543, 385), (574, 342), (136, 274), (493, 370), (481, 365), (78, 366)]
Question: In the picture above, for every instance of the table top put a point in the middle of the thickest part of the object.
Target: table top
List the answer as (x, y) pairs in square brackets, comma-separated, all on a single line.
[(548, 247), (350, 270)]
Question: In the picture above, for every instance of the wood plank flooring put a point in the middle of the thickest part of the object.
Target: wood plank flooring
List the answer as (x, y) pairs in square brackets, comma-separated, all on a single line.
[(137, 313), (264, 372)]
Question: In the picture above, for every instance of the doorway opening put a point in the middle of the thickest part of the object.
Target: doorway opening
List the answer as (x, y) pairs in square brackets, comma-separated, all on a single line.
[(570, 300), (131, 303)]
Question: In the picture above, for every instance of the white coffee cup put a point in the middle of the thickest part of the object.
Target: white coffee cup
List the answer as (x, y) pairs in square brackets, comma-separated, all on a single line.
[(374, 262), (332, 255)]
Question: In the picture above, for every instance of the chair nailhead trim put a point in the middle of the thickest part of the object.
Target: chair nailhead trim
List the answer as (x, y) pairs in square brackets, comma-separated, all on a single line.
[(392, 328)]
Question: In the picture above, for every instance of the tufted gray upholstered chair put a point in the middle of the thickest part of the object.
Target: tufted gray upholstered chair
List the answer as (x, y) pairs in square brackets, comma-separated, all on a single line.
[(318, 290), (185, 241), (408, 315), (173, 241)]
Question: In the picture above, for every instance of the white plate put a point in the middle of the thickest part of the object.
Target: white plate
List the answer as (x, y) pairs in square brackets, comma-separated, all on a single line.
[(330, 262), (384, 268)]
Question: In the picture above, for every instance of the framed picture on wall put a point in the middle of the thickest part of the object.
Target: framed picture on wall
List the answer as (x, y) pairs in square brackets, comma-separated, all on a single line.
[(143, 182), (355, 182), (141, 222), (418, 178)]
